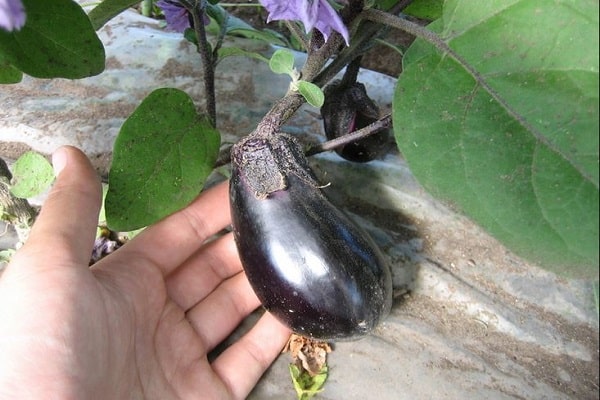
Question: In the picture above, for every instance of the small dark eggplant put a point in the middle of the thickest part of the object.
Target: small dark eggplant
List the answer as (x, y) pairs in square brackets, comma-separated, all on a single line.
[(309, 264), (347, 108)]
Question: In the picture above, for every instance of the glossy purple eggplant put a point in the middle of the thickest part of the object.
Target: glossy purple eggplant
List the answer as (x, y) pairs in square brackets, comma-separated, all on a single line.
[(348, 108), (309, 264)]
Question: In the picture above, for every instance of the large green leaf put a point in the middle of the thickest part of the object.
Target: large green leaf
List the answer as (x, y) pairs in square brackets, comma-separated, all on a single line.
[(514, 142), (57, 41), (161, 159)]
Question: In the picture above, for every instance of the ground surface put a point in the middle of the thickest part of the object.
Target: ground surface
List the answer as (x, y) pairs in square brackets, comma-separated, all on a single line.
[(470, 319)]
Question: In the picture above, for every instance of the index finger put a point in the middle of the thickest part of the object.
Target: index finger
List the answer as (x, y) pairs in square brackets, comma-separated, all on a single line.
[(169, 242)]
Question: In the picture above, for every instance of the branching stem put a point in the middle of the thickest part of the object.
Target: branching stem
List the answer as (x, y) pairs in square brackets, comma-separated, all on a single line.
[(383, 123)]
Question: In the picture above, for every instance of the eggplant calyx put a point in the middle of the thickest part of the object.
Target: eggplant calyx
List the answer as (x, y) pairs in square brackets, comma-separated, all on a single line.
[(266, 161)]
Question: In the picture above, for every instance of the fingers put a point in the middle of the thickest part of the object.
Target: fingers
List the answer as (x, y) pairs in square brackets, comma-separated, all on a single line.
[(203, 272), (215, 317), (66, 226), (244, 362), (171, 241)]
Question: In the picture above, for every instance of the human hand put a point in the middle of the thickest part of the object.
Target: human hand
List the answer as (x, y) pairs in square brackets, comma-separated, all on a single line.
[(140, 322)]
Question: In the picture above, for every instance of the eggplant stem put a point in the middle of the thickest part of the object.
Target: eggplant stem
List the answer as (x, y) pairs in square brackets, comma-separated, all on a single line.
[(377, 126)]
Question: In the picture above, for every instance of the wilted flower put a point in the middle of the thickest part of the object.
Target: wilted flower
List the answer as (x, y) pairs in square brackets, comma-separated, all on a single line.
[(312, 13), (12, 15)]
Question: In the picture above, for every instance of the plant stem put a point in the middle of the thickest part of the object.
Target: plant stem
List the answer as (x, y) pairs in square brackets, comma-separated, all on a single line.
[(351, 73), (318, 55), (284, 108), (379, 125), (219, 42), (367, 31), (297, 33), (208, 66)]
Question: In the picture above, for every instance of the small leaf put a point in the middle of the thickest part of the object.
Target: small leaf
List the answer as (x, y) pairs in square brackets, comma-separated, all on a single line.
[(57, 41), (161, 159), (265, 35), (6, 255), (32, 175), (108, 9), (225, 52), (282, 62), (307, 386), (190, 35), (311, 92), (237, 27)]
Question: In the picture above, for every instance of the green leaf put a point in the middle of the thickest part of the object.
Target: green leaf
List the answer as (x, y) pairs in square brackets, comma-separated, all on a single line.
[(225, 52), (265, 35), (311, 92), (190, 35), (307, 386), (425, 9), (32, 175), (57, 41), (102, 214), (6, 255), (282, 62), (108, 9), (237, 27), (161, 159), (515, 145), (8, 73)]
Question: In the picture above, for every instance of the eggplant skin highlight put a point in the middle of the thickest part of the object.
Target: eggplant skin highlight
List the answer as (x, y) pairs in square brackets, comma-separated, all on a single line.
[(312, 267)]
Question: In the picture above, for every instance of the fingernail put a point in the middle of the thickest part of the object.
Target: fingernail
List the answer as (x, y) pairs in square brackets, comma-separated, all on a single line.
[(59, 160)]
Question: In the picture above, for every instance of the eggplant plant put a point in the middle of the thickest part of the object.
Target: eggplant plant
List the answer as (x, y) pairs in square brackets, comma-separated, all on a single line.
[(310, 265)]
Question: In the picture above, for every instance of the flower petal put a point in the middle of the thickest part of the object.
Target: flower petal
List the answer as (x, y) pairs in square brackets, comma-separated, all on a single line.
[(304, 11), (329, 19), (317, 14), (175, 14), (12, 15)]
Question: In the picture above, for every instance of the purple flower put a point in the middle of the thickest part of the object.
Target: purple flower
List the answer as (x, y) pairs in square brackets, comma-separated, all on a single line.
[(312, 13), (177, 16), (12, 15)]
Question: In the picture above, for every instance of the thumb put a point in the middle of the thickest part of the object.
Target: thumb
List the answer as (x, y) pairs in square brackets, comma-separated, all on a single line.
[(66, 226)]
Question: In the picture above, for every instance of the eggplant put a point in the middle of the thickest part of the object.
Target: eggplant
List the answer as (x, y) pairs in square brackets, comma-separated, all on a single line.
[(348, 108), (310, 265)]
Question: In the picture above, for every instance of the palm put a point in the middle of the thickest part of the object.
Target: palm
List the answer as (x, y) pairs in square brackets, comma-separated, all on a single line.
[(139, 323), (169, 355)]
